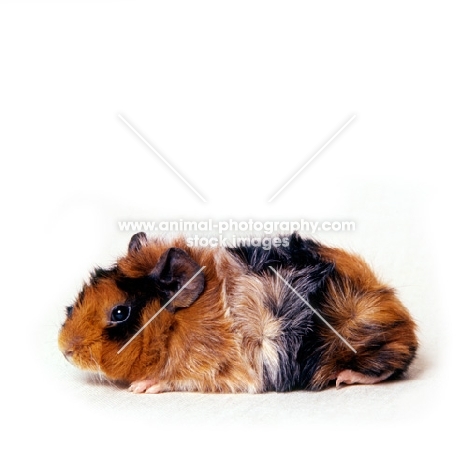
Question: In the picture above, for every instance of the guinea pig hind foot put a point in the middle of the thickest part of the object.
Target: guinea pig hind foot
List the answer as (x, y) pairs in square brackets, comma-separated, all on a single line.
[(146, 386), (351, 377)]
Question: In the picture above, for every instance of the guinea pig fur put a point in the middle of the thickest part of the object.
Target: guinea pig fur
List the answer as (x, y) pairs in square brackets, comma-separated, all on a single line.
[(237, 326)]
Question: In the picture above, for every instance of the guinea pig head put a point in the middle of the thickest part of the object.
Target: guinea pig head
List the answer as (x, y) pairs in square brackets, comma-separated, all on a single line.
[(121, 320)]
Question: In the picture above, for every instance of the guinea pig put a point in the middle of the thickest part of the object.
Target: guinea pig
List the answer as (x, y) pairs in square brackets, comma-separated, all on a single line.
[(299, 315)]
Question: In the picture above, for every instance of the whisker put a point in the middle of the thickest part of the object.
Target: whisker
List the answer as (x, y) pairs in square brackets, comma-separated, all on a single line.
[(100, 374)]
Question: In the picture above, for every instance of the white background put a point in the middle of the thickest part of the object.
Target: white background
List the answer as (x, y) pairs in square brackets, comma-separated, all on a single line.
[(237, 96)]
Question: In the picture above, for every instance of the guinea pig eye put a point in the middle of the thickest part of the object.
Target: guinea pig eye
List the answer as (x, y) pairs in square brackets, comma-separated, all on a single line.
[(120, 313)]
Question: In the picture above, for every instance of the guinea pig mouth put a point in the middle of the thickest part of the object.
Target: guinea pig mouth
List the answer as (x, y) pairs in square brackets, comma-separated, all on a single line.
[(68, 356), (82, 358)]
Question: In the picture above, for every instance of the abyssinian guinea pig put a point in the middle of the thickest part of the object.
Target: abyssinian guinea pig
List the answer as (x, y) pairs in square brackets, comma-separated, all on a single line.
[(300, 315)]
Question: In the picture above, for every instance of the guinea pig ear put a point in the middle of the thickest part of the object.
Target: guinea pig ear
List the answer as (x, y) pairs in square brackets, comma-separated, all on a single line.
[(173, 270), (137, 242)]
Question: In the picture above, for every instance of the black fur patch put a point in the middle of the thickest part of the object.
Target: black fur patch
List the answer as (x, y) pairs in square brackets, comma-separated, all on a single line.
[(69, 311), (139, 291), (141, 286), (123, 331), (299, 253), (102, 273), (301, 266), (309, 355), (297, 343)]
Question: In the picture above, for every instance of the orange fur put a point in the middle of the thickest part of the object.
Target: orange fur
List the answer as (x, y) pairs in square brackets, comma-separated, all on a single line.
[(368, 315)]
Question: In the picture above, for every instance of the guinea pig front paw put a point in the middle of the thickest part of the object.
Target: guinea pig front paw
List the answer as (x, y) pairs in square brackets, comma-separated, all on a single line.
[(146, 386), (351, 377)]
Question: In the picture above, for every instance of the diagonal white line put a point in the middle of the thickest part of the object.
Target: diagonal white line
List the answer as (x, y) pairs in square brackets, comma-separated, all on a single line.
[(313, 310), (312, 158), (160, 310), (159, 156)]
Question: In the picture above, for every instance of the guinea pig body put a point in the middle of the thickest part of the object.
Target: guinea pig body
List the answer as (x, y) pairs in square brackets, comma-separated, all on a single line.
[(171, 317)]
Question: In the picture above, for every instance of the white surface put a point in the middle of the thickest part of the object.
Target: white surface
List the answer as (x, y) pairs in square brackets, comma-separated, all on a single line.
[(237, 97)]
